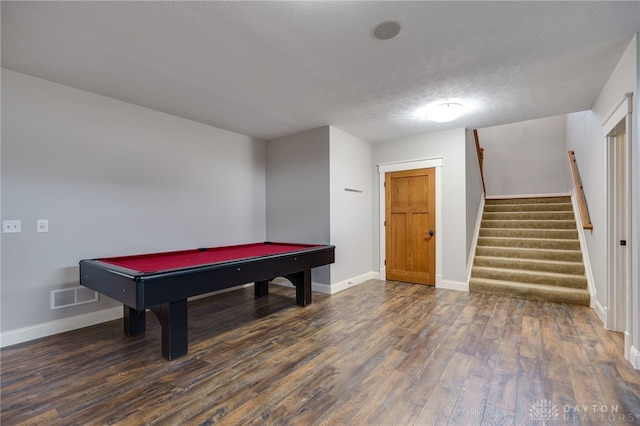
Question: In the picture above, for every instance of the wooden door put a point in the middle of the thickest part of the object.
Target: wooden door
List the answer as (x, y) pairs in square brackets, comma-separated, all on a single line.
[(410, 226)]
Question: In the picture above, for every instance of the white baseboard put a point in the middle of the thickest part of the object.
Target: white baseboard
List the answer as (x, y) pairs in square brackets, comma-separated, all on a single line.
[(453, 285), (599, 310), (331, 288), (321, 288), (585, 256), (343, 285), (440, 282), (20, 335)]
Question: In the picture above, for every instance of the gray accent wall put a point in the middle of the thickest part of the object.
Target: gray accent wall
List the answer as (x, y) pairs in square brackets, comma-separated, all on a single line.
[(297, 188), (113, 179)]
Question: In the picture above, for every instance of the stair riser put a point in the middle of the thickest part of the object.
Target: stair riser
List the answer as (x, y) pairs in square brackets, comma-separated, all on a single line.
[(529, 243), (567, 256), (577, 298), (528, 216), (529, 207), (529, 224), (527, 265), (530, 277), (560, 234)]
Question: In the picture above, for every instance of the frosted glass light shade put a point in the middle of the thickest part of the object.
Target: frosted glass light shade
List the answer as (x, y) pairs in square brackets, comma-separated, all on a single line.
[(444, 112)]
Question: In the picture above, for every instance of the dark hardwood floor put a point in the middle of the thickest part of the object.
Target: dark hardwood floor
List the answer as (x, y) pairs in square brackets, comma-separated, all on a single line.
[(379, 353)]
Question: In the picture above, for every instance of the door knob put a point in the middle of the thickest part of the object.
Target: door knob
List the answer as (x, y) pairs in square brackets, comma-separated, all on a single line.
[(431, 232)]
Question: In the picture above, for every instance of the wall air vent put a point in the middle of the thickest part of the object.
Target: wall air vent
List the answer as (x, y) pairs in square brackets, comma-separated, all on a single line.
[(72, 296)]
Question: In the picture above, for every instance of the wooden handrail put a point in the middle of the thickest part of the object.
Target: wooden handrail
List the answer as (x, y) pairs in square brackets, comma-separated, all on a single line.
[(582, 202), (480, 152)]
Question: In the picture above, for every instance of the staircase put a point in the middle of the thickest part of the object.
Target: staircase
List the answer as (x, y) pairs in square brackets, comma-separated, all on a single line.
[(529, 248)]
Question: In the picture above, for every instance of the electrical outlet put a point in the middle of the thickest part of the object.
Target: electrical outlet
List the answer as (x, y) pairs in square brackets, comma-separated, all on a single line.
[(11, 226), (43, 225)]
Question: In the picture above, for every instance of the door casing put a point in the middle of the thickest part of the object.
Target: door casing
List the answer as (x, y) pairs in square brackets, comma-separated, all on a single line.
[(433, 162)]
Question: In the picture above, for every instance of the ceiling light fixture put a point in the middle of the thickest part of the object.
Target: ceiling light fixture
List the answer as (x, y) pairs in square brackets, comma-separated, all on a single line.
[(386, 30), (444, 112)]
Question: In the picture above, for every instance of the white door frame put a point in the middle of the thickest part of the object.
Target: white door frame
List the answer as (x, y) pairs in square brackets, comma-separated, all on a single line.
[(618, 261), (426, 163)]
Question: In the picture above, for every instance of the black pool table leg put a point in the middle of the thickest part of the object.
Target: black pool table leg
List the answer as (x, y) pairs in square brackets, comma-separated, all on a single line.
[(135, 322), (173, 321), (261, 288), (302, 281)]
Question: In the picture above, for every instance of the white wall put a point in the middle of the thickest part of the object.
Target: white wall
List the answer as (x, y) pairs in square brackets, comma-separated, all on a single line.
[(297, 188), (450, 145), (350, 160), (585, 136), (112, 179), (514, 153)]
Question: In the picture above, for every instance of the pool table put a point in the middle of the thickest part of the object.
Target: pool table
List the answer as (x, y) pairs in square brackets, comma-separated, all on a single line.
[(162, 282)]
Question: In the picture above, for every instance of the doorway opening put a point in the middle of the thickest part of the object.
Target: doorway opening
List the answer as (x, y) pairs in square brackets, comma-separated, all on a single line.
[(617, 129), (618, 215)]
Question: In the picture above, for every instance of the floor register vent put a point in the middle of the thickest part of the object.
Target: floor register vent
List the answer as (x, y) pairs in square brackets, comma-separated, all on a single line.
[(72, 296)]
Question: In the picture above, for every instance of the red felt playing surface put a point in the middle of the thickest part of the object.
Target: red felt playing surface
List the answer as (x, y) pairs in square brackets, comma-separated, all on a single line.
[(146, 263)]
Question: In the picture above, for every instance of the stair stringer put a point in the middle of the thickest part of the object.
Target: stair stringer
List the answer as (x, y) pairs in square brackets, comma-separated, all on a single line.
[(594, 304), (474, 243)]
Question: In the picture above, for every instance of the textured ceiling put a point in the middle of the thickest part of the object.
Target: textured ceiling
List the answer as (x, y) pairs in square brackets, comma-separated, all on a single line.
[(268, 69)]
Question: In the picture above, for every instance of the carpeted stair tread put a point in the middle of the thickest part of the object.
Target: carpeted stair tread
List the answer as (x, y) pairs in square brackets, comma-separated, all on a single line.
[(562, 267), (541, 243), (535, 215), (531, 291), (530, 253), (529, 224), (531, 277), (558, 234)]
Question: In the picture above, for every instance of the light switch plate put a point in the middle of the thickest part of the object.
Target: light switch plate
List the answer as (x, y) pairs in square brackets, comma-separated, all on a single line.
[(43, 225), (11, 226)]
